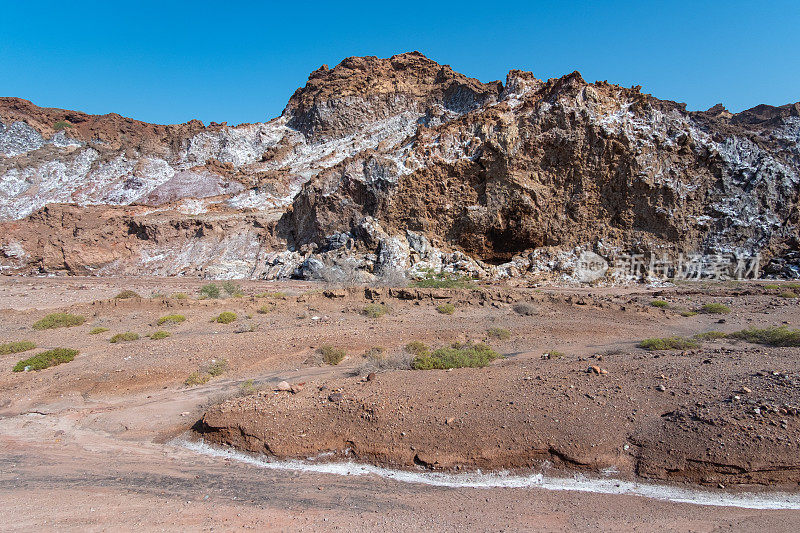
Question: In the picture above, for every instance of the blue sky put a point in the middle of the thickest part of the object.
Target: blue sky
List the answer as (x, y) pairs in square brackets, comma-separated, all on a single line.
[(233, 61)]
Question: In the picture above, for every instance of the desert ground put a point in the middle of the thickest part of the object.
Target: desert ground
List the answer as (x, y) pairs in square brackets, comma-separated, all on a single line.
[(103, 442)]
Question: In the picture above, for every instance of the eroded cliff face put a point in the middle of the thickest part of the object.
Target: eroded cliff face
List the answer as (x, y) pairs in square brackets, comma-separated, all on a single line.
[(379, 165)]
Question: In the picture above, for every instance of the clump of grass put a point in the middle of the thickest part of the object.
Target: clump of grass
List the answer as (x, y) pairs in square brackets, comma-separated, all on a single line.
[(196, 378), (216, 367), (170, 320), (446, 309), (688, 313), (98, 330), (125, 337), (331, 355), (375, 354), (277, 295), (59, 320), (247, 387), (668, 343), (375, 310), (501, 334), (772, 336), (524, 309), (552, 354), (444, 280), (787, 294), (417, 348), (716, 309), (659, 303), (16, 347), (226, 317), (127, 294), (180, 296), (456, 356), (264, 309), (46, 359), (210, 290), (160, 334), (710, 336), (61, 124), (772, 287)]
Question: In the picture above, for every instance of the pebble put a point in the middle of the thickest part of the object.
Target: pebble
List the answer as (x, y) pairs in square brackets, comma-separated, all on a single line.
[(661, 388), (283, 386)]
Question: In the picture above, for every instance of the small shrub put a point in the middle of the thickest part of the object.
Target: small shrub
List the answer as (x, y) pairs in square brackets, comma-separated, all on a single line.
[(247, 387), (331, 355), (210, 290), (552, 354), (417, 348), (787, 294), (668, 343), (498, 333), (246, 327), (61, 124), (231, 287), (16, 347), (444, 280), (688, 313), (456, 356), (375, 310), (59, 320), (170, 320), (772, 336), (772, 287), (659, 303), (264, 309), (125, 337), (216, 367), (180, 296), (375, 354), (160, 334), (524, 309), (46, 359), (97, 331), (446, 309), (716, 309), (274, 295), (710, 336), (226, 317), (196, 378), (127, 294)]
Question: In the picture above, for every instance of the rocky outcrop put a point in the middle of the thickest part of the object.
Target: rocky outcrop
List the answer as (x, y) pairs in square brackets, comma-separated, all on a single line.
[(402, 164)]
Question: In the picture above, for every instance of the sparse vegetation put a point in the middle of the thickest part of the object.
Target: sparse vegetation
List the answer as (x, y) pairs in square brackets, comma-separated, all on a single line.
[(688, 313), (456, 356), (552, 354), (98, 330), (266, 308), (210, 290), (247, 387), (716, 309), (180, 296), (417, 348), (375, 310), (125, 337), (501, 334), (668, 343), (196, 378), (375, 354), (59, 320), (226, 317), (16, 347), (170, 320), (772, 287), (444, 280), (61, 124), (331, 355), (710, 336), (232, 288), (787, 294), (660, 303), (524, 309), (126, 295), (275, 295), (772, 336), (446, 309), (46, 359), (160, 334), (216, 367)]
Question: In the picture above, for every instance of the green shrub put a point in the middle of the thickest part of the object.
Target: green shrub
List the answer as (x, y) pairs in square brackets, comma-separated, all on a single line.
[(710, 336), (61, 124), (659, 303), (248, 387), (375, 310), (275, 295), (97, 331), (125, 337), (46, 359), (59, 320), (772, 287), (127, 294), (552, 354), (456, 356), (160, 334), (266, 308), (16, 347), (668, 343), (446, 309), (226, 317), (170, 319), (772, 336), (210, 290), (417, 348), (498, 333), (217, 367), (787, 294), (231, 287), (688, 313), (331, 355), (444, 280), (716, 309), (180, 296), (196, 378)]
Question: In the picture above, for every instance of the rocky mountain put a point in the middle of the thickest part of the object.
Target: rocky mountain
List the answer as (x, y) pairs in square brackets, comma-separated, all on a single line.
[(401, 164)]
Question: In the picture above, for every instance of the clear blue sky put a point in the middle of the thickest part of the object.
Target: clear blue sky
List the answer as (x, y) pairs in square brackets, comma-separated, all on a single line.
[(170, 61)]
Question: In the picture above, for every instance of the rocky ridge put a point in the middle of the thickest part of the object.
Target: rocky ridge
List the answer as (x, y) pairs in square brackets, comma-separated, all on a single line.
[(380, 166)]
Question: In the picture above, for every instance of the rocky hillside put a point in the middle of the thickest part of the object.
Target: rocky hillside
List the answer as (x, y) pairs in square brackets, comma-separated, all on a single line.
[(401, 164)]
